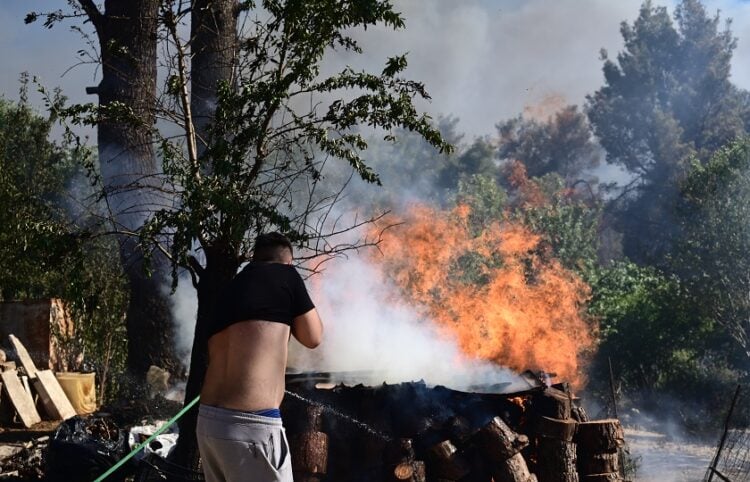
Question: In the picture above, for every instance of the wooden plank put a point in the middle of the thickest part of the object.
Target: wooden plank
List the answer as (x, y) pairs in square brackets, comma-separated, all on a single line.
[(23, 356), (54, 400), (25, 383), (21, 400)]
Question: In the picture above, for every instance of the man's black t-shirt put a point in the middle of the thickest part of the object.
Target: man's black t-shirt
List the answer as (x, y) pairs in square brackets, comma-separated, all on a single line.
[(263, 291)]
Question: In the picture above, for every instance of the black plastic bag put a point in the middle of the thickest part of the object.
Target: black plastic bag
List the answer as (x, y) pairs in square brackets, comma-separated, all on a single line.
[(82, 449)]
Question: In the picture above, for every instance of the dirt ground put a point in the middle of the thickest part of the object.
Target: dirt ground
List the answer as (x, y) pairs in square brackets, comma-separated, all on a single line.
[(662, 460)]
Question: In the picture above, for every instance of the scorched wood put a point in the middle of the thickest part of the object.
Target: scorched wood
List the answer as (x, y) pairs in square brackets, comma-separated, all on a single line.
[(563, 430), (553, 403)]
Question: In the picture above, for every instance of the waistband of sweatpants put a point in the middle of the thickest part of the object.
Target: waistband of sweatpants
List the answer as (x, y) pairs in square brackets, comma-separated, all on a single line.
[(228, 415)]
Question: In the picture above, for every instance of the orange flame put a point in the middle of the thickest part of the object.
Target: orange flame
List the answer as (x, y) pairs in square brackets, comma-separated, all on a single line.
[(499, 294)]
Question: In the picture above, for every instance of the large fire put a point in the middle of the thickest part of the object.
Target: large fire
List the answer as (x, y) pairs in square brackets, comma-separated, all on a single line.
[(498, 293)]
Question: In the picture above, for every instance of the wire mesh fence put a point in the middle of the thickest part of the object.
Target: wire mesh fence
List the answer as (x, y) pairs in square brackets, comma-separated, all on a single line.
[(731, 462)]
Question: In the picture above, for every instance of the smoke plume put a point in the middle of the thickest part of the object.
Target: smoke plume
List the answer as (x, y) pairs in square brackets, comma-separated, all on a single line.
[(369, 327)]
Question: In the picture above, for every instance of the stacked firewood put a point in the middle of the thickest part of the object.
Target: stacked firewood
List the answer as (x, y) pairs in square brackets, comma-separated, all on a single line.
[(411, 432)]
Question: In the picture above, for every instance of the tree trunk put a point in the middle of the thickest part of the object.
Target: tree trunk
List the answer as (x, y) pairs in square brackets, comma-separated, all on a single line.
[(213, 32), (213, 49), (221, 266), (127, 38)]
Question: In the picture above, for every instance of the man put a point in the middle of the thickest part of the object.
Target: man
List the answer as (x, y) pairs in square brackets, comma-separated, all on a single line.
[(240, 434)]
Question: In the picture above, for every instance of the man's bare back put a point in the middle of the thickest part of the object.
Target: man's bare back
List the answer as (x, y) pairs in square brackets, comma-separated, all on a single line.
[(247, 361)]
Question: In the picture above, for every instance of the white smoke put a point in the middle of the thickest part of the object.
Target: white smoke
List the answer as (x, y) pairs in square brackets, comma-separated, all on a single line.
[(184, 315), (482, 60), (370, 327)]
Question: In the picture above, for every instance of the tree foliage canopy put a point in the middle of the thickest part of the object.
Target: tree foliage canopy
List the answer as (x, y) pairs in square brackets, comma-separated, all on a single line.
[(669, 93), (562, 145), (668, 96), (711, 256)]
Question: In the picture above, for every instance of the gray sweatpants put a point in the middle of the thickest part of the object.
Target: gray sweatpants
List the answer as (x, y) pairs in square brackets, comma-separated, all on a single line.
[(238, 446)]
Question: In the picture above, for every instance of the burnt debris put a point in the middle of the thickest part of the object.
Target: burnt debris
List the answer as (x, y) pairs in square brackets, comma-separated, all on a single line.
[(414, 432)]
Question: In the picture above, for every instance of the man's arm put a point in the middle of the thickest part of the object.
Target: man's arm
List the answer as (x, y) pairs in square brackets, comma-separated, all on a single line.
[(308, 329)]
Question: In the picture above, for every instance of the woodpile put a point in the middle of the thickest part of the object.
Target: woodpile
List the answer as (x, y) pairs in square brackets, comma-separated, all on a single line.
[(412, 432)]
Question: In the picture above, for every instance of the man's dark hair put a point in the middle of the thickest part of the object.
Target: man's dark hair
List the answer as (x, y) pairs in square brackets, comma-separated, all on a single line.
[(271, 247)]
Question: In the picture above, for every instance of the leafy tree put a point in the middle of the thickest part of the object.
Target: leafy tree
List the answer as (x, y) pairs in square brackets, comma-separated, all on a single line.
[(668, 96), (410, 167), (567, 220), (661, 349), (642, 325), (126, 34), (476, 159), (486, 199), (264, 153), (562, 145), (48, 250), (711, 255), (33, 175)]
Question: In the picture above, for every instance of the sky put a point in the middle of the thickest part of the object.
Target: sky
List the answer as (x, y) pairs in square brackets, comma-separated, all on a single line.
[(482, 61)]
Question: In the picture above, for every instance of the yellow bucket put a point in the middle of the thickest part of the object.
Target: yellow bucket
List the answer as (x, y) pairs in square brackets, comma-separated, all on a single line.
[(80, 389)]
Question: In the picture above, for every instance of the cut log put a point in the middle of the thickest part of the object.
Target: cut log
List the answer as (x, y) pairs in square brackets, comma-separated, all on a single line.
[(54, 400), (23, 356), (556, 429), (556, 461), (403, 471), (409, 472), (603, 463), (309, 453), (401, 466), (599, 436), (513, 469), (20, 399), (499, 442)]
